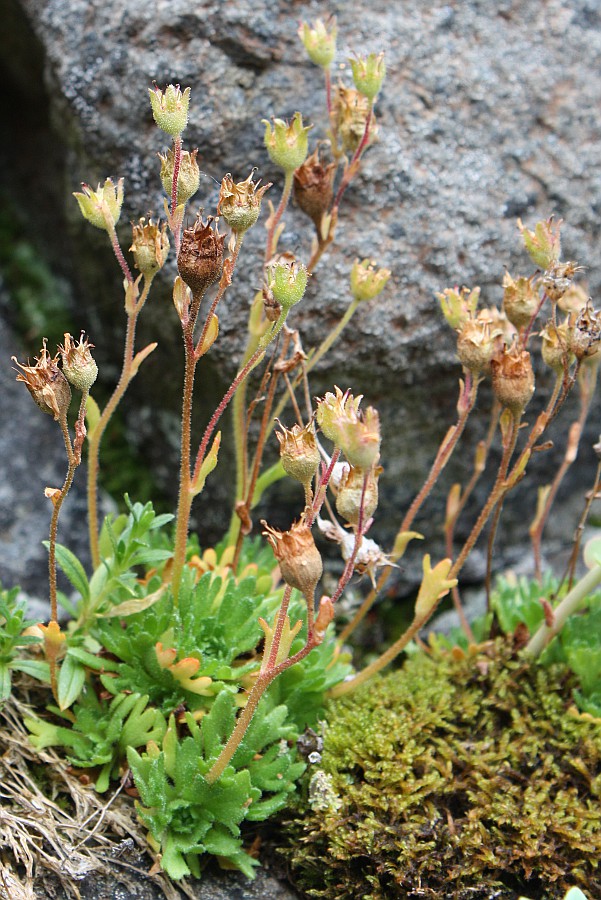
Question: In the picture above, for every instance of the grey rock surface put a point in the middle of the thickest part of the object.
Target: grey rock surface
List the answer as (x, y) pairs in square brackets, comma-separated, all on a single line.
[(488, 113)]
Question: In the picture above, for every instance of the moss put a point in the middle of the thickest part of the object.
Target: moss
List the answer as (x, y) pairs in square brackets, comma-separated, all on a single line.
[(457, 776)]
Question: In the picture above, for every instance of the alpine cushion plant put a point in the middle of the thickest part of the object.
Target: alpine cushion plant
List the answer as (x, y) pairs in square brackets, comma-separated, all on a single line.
[(198, 668)]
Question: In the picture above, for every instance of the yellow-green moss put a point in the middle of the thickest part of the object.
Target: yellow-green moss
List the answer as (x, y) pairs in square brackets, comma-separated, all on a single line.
[(454, 778)]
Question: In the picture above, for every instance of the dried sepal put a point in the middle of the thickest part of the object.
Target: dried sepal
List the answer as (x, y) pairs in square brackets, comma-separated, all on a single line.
[(299, 453), (299, 559), (150, 246), (200, 258), (314, 187), (46, 383), (240, 203), (79, 366), (513, 378)]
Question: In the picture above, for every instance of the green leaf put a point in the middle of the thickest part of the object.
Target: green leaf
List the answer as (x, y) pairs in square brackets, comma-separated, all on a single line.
[(5, 682), (592, 552), (218, 725), (92, 415), (71, 680), (270, 476), (33, 667), (73, 569), (98, 663), (111, 529)]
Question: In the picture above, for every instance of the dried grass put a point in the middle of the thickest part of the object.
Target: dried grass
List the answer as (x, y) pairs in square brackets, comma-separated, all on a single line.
[(51, 823)]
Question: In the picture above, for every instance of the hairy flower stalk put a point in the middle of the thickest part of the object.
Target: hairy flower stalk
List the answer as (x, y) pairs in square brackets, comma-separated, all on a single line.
[(587, 382), (129, 369), (200, 264), (102, 209), (49, 388)]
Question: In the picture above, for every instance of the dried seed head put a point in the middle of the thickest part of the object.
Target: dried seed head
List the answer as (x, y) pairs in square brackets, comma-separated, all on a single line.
[(520, 300), (299, 452), (78, 364), (476, 342), (150, 246), (513, 378), (573, 300), (351, 493), (314, 187), (200, 258), (46, 384), (240, 204), (558, 279), (299, 559), (349, 115), (555, 346), (188, 178), (585, 335)]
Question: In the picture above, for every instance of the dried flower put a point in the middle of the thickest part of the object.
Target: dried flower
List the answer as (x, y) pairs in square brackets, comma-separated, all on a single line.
[(299, 559), (585, 336), (314, 187), (555, 346), (521, 300), (78, 364), (188, 178), (299, 452), (200, 258), (476, 342), (170, 108), (573, 300), (240, 204), (513, 378), (46, 384), (150, 246), (558, 279), (350, 110), (352, 499), (101, 207)]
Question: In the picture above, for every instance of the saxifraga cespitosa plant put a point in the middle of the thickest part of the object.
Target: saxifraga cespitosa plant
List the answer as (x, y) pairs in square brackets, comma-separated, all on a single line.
[(202, 660)]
